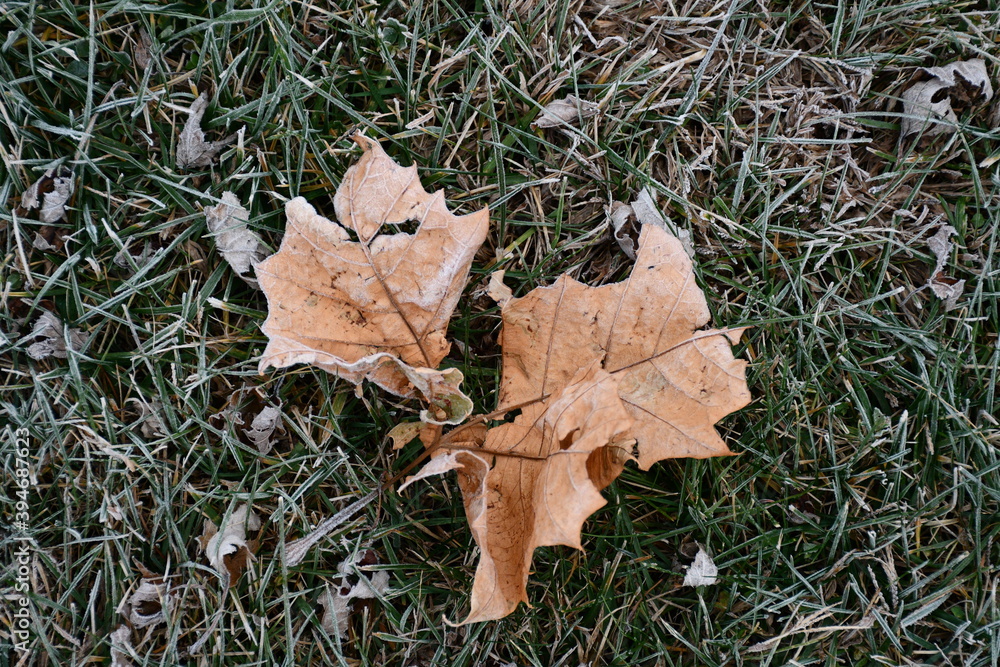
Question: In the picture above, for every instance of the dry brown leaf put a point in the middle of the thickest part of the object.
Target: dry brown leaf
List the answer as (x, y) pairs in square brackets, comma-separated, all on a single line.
[(226, 546), (927, 105), (192, 149), (376, 308), (944, 287), (51, 342), (614, 365), (49, 194)]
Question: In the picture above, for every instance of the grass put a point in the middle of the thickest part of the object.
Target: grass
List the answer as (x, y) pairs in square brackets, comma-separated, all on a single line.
[(858, 526)]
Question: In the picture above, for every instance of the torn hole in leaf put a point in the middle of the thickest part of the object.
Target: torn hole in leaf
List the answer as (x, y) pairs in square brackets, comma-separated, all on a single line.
[(605, 464)]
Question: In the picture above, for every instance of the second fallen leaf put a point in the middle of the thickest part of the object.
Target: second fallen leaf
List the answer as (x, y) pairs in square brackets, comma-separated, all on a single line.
[(596, 371)]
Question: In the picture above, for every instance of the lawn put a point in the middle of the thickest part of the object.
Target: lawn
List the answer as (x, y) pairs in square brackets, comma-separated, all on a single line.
[(859, 522)]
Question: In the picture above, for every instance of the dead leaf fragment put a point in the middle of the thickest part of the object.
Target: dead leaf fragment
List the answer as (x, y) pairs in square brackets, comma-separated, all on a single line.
[(140, 52), (570, 109), (226, 546), (121, 647), (703, 571), (123, 256), (192, 149), (944, 287), (497, 290), (241, 247), (52, 341), (152, 602), (376, 308), (262, 428), (622, 224), (928, 105), (626, 221), (150, 424), (49, 194), (337, 602), (404, 433), (614, 366)]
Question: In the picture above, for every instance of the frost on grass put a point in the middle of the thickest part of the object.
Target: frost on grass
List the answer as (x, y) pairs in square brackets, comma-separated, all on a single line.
[(226, 546), (702, 571), (239, 245), (944, 287), (49, 194), (570, 109), (50, 340), (192, 149), (929, 105), (338, 603)]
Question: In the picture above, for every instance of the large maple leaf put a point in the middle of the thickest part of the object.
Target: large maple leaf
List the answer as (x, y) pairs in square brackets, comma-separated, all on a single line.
[(374, 308), (609, 368)]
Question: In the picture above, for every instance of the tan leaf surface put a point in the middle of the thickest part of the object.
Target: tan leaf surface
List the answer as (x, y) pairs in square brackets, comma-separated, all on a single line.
[(376, 308), (616, 365)]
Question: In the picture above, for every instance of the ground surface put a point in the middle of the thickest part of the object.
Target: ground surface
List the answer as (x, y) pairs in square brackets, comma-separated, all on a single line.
[(858, 525)]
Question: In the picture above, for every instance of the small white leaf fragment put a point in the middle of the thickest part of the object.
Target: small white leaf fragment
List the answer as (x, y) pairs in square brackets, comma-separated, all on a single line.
[(49, 194), (946, 288), (41, 243), (192, 149), (226, 546), (262, 428), (239, 245), (927, 105), (337, 603), (121, 647), (702, 571), (497, 290), (567, 110), (52, 343)]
